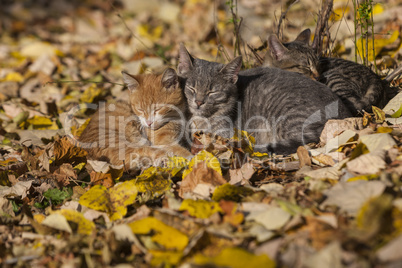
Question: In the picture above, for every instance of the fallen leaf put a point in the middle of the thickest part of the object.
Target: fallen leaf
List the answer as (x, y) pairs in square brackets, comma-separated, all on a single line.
[(235, 258), (231, 193), (202, 209), (164, 235), (113, 201), (201, 173), (84, 226), (350, 196)]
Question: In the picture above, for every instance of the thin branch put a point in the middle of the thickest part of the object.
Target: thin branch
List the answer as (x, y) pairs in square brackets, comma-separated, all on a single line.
[(322, 25), (83, 81), (283, 16)]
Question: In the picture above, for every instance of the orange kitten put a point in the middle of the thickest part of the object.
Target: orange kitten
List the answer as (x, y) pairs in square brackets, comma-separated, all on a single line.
[(145, 131)]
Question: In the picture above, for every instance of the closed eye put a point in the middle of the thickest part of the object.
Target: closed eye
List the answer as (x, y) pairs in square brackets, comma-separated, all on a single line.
[(192, 89)]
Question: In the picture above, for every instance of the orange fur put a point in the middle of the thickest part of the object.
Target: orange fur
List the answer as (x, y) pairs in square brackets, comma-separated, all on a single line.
[(129, 139)]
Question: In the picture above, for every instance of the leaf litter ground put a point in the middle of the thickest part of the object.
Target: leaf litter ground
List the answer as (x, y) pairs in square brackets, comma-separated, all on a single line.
[(335, 204)]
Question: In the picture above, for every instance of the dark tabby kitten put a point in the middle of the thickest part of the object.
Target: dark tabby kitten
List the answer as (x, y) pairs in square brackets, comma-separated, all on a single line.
[(282, 110), (357, 86)]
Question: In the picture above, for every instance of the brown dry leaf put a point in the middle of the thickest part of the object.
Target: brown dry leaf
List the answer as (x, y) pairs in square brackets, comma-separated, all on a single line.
[(321, 233), (98, 178), (64, 174), (242, 175), (304, 157), (325, 159), (201, 173)]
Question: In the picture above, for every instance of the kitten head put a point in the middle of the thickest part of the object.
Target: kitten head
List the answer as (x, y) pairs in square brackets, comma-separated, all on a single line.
[(209, 87), (296, 56), (155, 99)]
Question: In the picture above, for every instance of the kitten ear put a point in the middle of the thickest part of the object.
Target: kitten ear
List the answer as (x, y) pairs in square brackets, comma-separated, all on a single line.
[(277, 49), (304, 37), (130, 81), (169, 78), (231, 70), (185, 60)]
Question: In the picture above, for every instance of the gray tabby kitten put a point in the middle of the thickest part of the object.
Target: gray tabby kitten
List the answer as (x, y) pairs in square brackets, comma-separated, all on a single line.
[(356, 85), (282, 110)]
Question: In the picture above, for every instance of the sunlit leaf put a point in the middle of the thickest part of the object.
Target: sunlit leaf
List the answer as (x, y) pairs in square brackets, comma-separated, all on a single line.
[(234, 258), (91, 93), (41, 122), (84, 226), (379, 43), (210, 160), (160, 258), (154, 181), (163, 234), (246, 141), (398, 113), (13, 76), (231, 193), (200, 208), (113, 201), (378, 114)]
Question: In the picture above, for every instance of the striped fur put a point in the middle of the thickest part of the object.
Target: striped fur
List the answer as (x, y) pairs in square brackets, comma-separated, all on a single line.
[(118, 133), (282, 110), (355, 84)]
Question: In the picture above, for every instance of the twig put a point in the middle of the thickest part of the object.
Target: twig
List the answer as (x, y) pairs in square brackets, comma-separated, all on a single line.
[(283, 16), (82, 81), (322, 25), (254, 51)]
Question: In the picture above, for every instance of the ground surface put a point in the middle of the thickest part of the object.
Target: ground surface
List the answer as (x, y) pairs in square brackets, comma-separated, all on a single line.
[(337, 205)]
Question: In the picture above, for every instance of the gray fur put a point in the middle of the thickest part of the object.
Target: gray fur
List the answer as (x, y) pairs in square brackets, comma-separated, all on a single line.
[(355, 84), (282, 110)]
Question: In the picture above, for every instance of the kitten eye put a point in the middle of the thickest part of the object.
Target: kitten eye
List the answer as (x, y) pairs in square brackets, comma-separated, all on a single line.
[(140, 110), (192, 89), (211, 93)]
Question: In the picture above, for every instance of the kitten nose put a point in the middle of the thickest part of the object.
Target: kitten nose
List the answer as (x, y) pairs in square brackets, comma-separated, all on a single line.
[(199, 103), (149, 122)]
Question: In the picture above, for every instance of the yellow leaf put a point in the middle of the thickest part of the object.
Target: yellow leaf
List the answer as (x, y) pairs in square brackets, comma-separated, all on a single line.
[(153, 180), (363, 177), (378, 9), (164, 235), (39, 217), (234, 258), (145, 31), (398, 113), (78, 131), (84, 226), (231, 193), (247, 141), (202, 209), (260, 155), (210, 160), (384, 129), (339, 13), (397, 220), (13, 77), (378, 45), (371, 215), (90, 93), (165, 257), (176, 164), (113, 201), (378, 114), (8, 161), (41, 122)]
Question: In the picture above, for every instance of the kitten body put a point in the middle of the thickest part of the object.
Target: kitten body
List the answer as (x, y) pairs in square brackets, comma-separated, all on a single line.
[(282, 110), (355, 84), (148, 128)]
